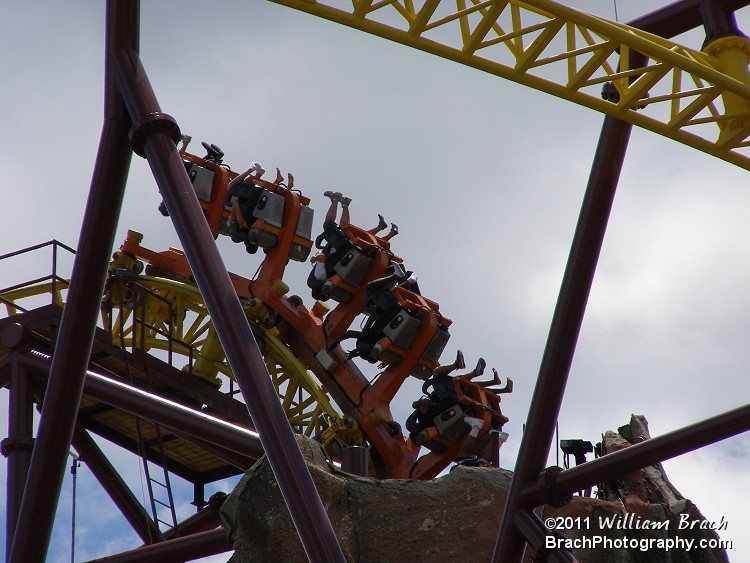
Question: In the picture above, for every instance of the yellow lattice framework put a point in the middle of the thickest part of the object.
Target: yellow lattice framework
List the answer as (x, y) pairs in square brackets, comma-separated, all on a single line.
[(699, 98), (155, 313)]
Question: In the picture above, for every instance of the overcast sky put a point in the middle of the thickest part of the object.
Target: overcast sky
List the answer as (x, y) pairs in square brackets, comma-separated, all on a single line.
[(484, 178)]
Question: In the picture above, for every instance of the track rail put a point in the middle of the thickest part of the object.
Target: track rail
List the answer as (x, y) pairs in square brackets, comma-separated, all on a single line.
[(698, 98)]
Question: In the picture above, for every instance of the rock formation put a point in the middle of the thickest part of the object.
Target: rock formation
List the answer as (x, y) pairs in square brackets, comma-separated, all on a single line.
[(644, 507), (456, 517)]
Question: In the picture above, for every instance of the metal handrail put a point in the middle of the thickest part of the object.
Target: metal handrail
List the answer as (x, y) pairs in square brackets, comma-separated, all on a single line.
[(53, 277), (139, 324)]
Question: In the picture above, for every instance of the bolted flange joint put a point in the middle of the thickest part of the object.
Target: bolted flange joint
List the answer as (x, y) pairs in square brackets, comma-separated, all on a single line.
[(155, 122), (548, 488), (13, 336), (12, 444)]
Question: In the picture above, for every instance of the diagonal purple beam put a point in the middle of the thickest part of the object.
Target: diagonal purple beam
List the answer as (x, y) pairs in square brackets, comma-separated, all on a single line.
[(115, 487), (76, 334), (154, 135), (188, 548), (579, 273), (650, 452), (563, 335)]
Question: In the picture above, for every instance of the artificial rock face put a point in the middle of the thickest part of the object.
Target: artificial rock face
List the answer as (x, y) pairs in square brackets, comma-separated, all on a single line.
[(375, 521), (644, 507), (455, 517)]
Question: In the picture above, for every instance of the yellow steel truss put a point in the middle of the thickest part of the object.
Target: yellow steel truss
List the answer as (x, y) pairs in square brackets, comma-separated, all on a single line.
[(701, 99), (153, 313), (171, 316)]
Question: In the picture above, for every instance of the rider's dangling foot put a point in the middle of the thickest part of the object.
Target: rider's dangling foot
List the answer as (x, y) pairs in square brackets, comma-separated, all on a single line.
[(345, 201), (333, 196), (479, 370), (495, 377), (460, 363), (382, 223), (394, 230)]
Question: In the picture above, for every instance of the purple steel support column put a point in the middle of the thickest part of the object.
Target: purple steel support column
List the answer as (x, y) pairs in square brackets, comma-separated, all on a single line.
[(718, 21), (646, 453), (680, 17), (17, 446), (199, 495), (76, 334), (566, 324), (494, 458), (154, 136), (356, 460), (188, 548), (669, 21), (115, 487)]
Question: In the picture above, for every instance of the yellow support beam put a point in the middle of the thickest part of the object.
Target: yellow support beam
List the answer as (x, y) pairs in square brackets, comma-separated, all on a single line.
[(700, 99)]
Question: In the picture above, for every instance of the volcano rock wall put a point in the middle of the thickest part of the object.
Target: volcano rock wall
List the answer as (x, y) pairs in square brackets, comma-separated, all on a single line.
[(455, 517)]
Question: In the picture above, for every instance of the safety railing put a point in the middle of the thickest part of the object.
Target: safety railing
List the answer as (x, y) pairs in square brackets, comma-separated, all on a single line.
[(127, 314), (22, 290)]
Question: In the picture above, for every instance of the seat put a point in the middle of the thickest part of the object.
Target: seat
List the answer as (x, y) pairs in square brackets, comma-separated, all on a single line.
[(398, 320)]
